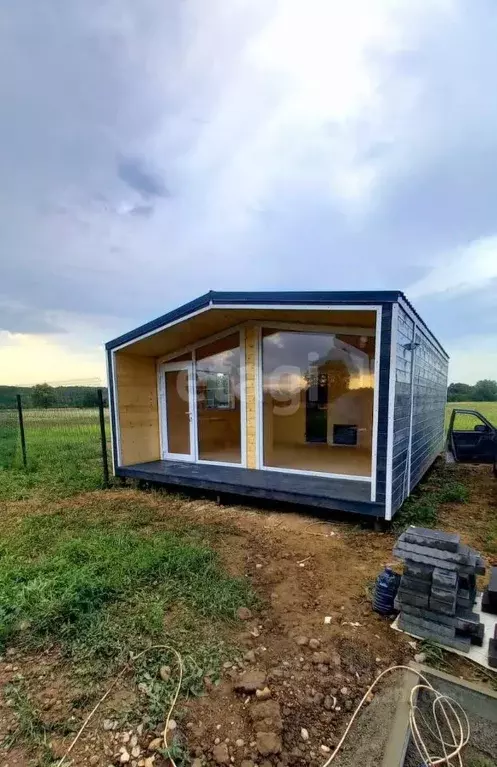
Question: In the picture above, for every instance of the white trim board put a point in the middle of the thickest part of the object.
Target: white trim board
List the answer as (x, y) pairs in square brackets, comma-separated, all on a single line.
[(260, 398), (191, 366), (117, 412), (376, 399), (112, 411), (272, 307), (326, 475), (391, 412)]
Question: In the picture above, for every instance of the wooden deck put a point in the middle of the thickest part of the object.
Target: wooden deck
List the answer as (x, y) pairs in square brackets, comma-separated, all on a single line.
[(318, 492)]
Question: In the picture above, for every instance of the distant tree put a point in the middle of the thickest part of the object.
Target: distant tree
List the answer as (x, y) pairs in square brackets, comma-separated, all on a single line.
[(460, 392), (90, 398), (43, 395), (485, 391)]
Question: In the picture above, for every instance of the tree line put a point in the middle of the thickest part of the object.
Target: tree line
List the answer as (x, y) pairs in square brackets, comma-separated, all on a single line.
[(45, 396), (482, 391)]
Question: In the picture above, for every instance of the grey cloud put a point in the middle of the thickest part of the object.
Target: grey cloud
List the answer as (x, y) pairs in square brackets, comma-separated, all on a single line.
[(99, 97), (146, 182), (26, 319)]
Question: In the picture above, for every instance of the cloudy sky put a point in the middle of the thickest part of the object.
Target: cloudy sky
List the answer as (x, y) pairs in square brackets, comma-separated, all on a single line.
[(153, 150)]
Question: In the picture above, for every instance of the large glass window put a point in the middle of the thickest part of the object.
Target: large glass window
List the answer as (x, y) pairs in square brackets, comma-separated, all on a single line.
[(218, 400), (318, 401)]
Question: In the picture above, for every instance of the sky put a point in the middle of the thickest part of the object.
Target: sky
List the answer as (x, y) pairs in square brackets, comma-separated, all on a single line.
[(151, 151)]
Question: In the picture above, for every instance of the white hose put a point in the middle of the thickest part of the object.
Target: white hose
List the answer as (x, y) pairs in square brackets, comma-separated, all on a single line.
[(112, 685), (442, 706)]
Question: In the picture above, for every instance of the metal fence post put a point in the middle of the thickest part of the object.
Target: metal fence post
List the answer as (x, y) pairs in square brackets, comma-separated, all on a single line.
[(103, 438), (21, 431)]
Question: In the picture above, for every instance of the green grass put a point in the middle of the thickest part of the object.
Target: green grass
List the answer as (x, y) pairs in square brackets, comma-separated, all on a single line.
[(97, 588), (422, 507), (63, 450), (101, 583), (30, 729)]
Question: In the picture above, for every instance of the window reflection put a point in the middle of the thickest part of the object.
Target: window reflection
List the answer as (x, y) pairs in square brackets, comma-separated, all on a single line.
[(218, 400), (318, 401)]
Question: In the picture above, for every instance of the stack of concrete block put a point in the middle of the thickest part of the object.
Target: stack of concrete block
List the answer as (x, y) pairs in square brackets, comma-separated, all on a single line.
[(489, 600), (438, 588)]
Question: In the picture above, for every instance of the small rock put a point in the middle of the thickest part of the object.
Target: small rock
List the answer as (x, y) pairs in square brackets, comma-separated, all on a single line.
[(165, 673), (197, 762), (134, 741), (320, 658), (304, 734), (302, 641), (220, 753), (251, 681), (329, 702), (314, 644), (244, 613), (263, 694), (155, 744), (239, 743), (125, 757), (420, 657), (217, 741), (139, 730), (344, 690), (369, 697), (249, 656), (268, 743), (108, 724), (125, 737), (149, 761), (171, 725), (135, 752), (93, 760)]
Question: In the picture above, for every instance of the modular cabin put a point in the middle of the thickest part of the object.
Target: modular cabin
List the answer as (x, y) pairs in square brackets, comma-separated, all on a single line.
[(333, 400)]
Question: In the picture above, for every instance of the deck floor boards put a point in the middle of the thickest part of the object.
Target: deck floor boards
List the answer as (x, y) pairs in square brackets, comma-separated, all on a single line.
[(322, 492)]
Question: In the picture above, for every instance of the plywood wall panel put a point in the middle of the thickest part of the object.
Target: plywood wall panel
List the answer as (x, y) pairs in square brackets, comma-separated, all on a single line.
[(251, 356), (136, 382)]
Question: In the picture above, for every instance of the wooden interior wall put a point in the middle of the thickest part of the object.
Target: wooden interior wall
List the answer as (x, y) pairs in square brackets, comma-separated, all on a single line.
[(251, 356), (136, 383)]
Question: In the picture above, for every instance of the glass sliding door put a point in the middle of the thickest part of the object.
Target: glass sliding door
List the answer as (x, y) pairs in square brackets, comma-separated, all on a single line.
[(178, 424), (218, 401), (318, 401)]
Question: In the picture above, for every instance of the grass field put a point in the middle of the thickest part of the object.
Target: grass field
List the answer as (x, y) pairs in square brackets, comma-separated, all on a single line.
[(63, 451), (488, 409), (64, 454), (88, 581)]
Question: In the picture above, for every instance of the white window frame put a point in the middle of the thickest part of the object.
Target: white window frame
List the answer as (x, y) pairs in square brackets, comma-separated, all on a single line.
[(163, 365), (170, 367), (319, 329)]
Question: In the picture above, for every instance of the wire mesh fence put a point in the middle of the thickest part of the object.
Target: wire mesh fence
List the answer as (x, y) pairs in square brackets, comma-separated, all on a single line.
[(55, 449)]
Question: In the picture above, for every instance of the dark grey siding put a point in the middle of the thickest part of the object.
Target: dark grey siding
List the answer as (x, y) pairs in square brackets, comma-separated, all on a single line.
[(402, 408), (429, 398), (383, 384), (420, 387)]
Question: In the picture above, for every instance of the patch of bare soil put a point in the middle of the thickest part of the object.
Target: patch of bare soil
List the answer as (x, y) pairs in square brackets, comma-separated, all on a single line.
[(306, 656)]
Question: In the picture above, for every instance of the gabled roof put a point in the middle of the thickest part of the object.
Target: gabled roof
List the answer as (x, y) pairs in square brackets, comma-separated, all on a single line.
[(258, 299)]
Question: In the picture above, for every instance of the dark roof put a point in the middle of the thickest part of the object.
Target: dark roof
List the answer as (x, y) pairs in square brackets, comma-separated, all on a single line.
[(266, 298)]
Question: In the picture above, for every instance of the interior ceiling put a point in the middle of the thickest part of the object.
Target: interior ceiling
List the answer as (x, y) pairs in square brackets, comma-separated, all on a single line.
[(214, 320)]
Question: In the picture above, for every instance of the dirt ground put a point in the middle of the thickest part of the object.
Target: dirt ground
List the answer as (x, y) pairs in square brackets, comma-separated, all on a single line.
[(315, 641)]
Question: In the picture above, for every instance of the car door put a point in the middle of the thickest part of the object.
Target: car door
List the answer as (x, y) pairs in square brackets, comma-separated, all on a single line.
[(471, 437)]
